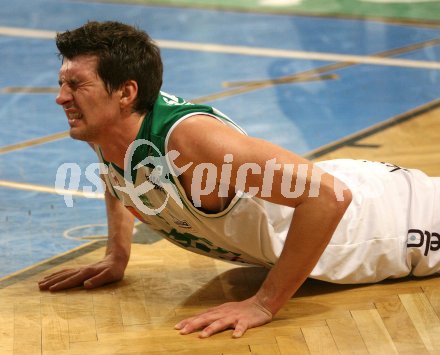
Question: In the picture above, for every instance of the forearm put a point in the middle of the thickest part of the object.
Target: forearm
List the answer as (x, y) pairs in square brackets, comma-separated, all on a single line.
[(312, 227), (120, 229)]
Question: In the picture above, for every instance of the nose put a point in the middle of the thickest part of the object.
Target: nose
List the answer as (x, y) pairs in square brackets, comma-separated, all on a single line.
[(64, 95)]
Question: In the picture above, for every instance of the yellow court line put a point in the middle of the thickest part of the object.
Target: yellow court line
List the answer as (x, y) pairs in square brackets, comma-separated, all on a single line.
[(52, 190), (253, 51), (48, 261), (33, 142), (369, 131)]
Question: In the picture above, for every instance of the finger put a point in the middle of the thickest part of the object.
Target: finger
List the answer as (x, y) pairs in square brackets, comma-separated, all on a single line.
[(184, 322), (210, 312), (181, 324), (102, 278), (197, 323), (75, 280), (56, 273), (44, 285), (215, 327), (51, 276), (240, 329)]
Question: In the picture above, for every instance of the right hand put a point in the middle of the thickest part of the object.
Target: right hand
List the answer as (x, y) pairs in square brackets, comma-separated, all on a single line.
[(94, 275)]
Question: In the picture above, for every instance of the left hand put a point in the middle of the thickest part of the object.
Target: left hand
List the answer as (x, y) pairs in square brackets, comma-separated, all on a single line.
[(240, 316), (108, 270)]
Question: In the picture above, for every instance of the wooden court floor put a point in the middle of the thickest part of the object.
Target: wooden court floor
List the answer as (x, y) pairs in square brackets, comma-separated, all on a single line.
[(164, 284)]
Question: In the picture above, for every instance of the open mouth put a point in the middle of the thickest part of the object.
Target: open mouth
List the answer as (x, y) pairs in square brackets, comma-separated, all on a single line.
[(73, 118)]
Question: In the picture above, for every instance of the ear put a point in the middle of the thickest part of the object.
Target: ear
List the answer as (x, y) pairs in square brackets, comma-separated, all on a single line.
[(129, 92)]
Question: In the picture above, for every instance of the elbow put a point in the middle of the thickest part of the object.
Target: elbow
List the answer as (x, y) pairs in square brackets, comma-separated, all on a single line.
[(335, 198), (345, 202), (340, 199)]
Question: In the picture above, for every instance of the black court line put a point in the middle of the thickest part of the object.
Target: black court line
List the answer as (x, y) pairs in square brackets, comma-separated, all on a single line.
[(48, 264), (308, 75), (352, 140), (363, 145), (142, 236)]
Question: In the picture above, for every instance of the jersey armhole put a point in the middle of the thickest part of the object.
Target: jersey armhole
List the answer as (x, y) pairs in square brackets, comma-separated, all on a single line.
[(174, 171), (105, 176)]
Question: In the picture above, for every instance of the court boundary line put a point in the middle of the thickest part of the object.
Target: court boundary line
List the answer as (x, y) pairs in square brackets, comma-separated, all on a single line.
[(252, 51), (50, 190), (249, 86), (243, 88), (56, 260), (367, 132), (301, 76), (279, 12), (49, 263), (33, 142)]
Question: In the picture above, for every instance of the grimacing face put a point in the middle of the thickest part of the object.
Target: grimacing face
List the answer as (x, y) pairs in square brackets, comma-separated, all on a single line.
[(91, 111)]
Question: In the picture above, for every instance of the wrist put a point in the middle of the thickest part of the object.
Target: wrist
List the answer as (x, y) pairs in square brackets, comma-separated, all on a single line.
[(118, 250), (261, 306), (117, 257), (266, 303)]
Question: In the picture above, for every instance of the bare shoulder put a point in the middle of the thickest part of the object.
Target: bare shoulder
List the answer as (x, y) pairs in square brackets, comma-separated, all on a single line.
[(204, 143), (202, 137), (197, 128)]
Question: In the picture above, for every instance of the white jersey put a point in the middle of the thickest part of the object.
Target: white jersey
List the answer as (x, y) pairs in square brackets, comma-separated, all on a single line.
[(383, 232), (392, 209)]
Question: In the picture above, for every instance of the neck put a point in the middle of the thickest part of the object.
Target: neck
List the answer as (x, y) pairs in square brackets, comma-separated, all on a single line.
[(114, 148)]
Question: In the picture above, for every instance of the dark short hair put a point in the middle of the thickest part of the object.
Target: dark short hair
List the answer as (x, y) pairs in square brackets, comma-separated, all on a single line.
[(124, 53)]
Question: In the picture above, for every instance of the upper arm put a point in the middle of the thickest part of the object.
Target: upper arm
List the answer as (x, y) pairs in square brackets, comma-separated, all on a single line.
[(256, 166)]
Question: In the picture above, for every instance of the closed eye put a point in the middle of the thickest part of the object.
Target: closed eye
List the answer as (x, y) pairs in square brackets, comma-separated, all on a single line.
[(73, 83)]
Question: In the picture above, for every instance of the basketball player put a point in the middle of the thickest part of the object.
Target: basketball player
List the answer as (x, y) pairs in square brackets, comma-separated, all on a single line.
[(191, 174)]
